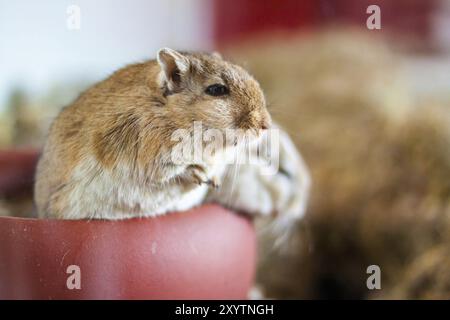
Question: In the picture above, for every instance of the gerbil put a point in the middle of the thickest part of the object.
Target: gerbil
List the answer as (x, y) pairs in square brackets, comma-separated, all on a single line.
[(108, 154)]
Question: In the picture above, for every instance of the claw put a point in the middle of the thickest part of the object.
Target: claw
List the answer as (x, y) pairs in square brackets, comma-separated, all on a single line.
[(213, 182), (198, 174)]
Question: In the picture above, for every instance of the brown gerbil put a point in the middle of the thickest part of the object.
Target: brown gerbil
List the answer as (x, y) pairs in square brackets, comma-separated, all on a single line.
[(108, 154)]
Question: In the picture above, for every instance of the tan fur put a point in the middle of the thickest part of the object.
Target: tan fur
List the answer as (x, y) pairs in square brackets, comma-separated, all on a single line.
[(107, 154)]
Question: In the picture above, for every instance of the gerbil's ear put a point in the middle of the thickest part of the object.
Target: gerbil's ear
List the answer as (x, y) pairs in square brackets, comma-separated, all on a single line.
[(173, 64)]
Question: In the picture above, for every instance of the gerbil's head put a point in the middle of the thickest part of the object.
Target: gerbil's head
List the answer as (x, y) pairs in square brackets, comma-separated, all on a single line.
[(206, 88)]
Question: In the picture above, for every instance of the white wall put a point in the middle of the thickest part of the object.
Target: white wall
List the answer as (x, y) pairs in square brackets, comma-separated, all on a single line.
[(37, 49)]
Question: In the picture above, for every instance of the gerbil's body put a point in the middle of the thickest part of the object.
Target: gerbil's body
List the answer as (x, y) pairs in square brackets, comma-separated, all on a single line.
[(108, 155)]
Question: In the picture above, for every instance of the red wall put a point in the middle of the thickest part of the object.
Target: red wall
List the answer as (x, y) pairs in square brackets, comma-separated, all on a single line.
[(236, 20)]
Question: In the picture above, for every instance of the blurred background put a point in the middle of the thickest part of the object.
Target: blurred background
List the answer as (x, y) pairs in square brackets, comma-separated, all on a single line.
[(369, 108)]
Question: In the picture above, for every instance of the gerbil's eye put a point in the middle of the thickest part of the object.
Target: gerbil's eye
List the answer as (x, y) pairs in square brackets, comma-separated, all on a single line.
[(216, 90)]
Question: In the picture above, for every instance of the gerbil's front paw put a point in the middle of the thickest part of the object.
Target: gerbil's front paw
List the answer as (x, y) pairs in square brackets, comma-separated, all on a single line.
[(199, 176)]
